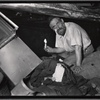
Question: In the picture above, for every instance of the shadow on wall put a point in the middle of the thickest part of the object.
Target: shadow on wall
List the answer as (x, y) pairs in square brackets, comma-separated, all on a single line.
[(34, 37)]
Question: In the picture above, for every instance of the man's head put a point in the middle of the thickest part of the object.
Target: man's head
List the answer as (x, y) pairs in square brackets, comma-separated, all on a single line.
[(58, 25)]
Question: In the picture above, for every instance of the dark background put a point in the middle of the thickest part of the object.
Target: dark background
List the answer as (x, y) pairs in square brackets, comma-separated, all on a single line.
[(34, 28)]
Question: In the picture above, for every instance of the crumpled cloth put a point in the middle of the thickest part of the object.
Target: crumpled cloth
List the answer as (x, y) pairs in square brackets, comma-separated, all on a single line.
[(91, 66), (71, 84)]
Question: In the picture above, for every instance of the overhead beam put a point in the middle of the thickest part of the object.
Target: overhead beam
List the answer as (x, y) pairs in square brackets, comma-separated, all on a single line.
[(65, 10)]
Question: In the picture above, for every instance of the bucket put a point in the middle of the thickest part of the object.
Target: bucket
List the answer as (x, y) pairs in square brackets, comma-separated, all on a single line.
[(21, 90)]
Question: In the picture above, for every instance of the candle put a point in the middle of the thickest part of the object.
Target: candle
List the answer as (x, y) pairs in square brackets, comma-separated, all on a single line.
[(45, 43)]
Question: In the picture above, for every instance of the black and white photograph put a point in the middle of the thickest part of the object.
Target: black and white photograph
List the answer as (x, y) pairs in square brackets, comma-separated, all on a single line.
[(50, 49)]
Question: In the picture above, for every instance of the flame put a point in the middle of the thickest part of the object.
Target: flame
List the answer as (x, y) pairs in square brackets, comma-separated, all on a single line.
[(45, 41)]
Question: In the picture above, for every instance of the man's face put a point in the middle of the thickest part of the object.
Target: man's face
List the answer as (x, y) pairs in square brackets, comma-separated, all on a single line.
[(58, 25)]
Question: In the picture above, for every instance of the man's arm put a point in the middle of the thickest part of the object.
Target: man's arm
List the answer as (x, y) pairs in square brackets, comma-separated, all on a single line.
[(54, 50), (78, 51)]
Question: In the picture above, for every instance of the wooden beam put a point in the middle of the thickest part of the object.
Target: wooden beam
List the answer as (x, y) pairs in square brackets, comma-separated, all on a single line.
[(65, 10)]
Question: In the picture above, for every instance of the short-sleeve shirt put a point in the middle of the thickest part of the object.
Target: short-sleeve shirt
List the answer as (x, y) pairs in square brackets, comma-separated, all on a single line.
[(74, 35)]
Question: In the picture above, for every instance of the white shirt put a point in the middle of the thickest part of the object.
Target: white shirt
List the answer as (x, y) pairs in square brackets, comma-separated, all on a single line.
[(74, 35)]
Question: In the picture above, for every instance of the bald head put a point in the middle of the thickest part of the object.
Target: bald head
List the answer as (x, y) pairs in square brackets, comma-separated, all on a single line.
[(58, 25), (53, 21)]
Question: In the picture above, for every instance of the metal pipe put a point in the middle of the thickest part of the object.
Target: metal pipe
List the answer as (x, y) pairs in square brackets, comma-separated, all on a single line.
[(7, 19)]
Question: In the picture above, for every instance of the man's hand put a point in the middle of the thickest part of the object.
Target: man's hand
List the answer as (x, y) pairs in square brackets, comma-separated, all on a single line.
[(77, 69), (48, 49)]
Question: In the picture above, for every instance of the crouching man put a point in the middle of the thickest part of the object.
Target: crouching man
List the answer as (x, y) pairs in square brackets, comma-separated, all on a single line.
[(72, 42)]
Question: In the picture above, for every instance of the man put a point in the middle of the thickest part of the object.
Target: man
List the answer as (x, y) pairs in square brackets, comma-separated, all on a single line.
[(72, 42)]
